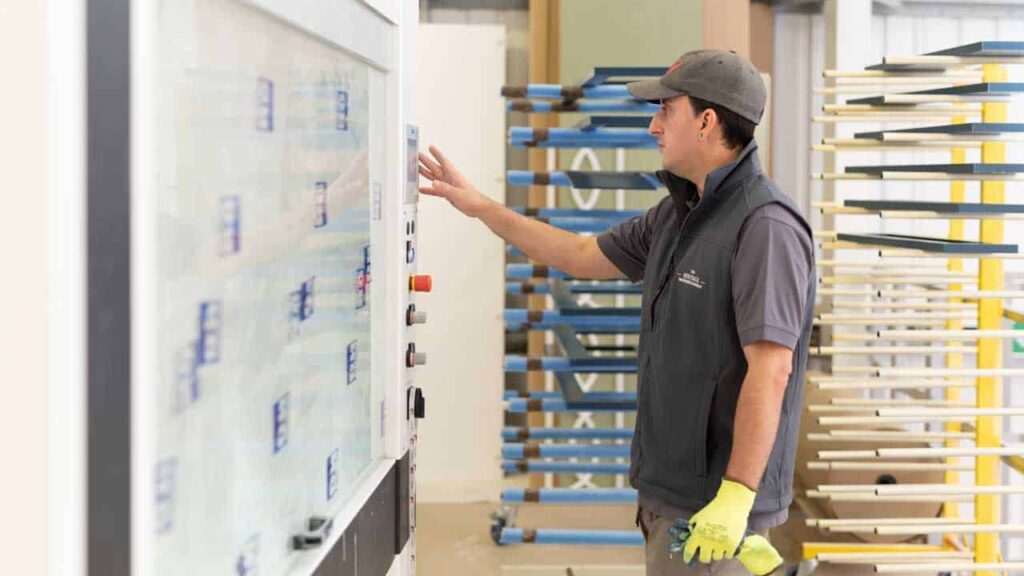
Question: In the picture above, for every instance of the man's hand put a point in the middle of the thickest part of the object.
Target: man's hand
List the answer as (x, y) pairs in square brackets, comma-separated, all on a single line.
[(718, 528), (448, 183), (756, 553)]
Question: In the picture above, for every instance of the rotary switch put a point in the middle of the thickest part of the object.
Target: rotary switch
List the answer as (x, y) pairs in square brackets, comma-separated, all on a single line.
[(419, 404), (412, 316), (414, 358)]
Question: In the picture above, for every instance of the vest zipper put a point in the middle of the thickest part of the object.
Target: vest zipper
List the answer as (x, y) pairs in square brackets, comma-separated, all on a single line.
[(672, 263)]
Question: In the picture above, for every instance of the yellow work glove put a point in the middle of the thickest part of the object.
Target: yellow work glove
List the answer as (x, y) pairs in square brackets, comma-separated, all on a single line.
[(718, 528), (758, 556)]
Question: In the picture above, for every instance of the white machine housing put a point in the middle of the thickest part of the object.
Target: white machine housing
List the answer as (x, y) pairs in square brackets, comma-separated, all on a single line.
[(380, 33)]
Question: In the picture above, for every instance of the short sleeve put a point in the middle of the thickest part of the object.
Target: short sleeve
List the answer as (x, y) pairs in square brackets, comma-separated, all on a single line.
[(626, 244), (771, 274)]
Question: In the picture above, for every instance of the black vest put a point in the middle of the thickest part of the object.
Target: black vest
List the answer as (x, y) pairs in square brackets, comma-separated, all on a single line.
[(691, 365)]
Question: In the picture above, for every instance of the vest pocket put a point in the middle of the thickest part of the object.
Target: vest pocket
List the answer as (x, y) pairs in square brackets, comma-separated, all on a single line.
[(700, 438), (675, 429)]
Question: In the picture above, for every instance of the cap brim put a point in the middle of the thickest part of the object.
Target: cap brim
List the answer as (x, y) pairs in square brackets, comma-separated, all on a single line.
[(652, 91)]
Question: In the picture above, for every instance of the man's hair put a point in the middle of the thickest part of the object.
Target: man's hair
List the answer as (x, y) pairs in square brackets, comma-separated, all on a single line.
[(736, 130)]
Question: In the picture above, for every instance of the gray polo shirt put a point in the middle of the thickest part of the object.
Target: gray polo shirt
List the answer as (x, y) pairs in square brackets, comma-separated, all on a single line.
[(771, 268)]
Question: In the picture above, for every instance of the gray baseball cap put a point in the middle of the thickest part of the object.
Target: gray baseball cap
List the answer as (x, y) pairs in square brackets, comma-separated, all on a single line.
[(723, 78)]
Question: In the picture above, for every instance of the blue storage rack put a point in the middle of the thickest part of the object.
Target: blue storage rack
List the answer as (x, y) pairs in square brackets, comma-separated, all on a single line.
[(582, 179), (523, 136), (556, 536), (595, 122), (558, 405), (582, 106), (557, 467), (601, 75), (570, 496), (576, 212), (542, 287), (519, 433), (621, 122), (519, 451), (527, 271)]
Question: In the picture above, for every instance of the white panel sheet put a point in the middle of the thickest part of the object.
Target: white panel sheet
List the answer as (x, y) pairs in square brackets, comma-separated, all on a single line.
[(263, 272)]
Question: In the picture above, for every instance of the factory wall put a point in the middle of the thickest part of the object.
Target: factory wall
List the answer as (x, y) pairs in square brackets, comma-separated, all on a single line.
[(463, 114), (23, 293)]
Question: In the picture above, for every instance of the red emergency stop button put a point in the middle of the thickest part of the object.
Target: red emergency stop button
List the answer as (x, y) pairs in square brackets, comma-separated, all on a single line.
[(420, 283)]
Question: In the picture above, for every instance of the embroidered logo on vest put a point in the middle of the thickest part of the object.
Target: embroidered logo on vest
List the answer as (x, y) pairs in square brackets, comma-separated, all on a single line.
[(690, 278)]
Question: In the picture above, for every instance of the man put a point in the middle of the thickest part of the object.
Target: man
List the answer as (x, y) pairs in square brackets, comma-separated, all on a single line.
[(727, 265)]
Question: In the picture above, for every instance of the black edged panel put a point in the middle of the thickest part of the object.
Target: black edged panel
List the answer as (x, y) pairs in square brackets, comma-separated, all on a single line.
[(943, 168), (108, 298), (938, 207), (929, 244), (370, 543)]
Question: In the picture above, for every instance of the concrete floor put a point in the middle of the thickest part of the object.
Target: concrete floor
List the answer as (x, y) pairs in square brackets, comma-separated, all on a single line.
[(455, 540)]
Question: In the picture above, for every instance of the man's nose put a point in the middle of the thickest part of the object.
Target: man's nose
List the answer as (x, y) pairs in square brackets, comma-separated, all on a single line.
[(654, 128)]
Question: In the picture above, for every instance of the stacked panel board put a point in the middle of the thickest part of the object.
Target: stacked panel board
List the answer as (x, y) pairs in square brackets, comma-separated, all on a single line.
[(903, 456)]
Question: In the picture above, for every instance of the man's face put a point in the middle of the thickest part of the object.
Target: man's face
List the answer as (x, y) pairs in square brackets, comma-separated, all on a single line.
[(676, 128)]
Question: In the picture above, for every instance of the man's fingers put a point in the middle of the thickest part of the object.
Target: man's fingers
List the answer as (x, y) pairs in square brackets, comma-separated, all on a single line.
[(427, 174), (423, 166), (437, 188), (441, 158), (717, 555), (688, 551), (430, 164), (705, 555)]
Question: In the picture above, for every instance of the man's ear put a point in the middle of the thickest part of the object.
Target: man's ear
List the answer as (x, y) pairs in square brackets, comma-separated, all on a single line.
[(709, 119)]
